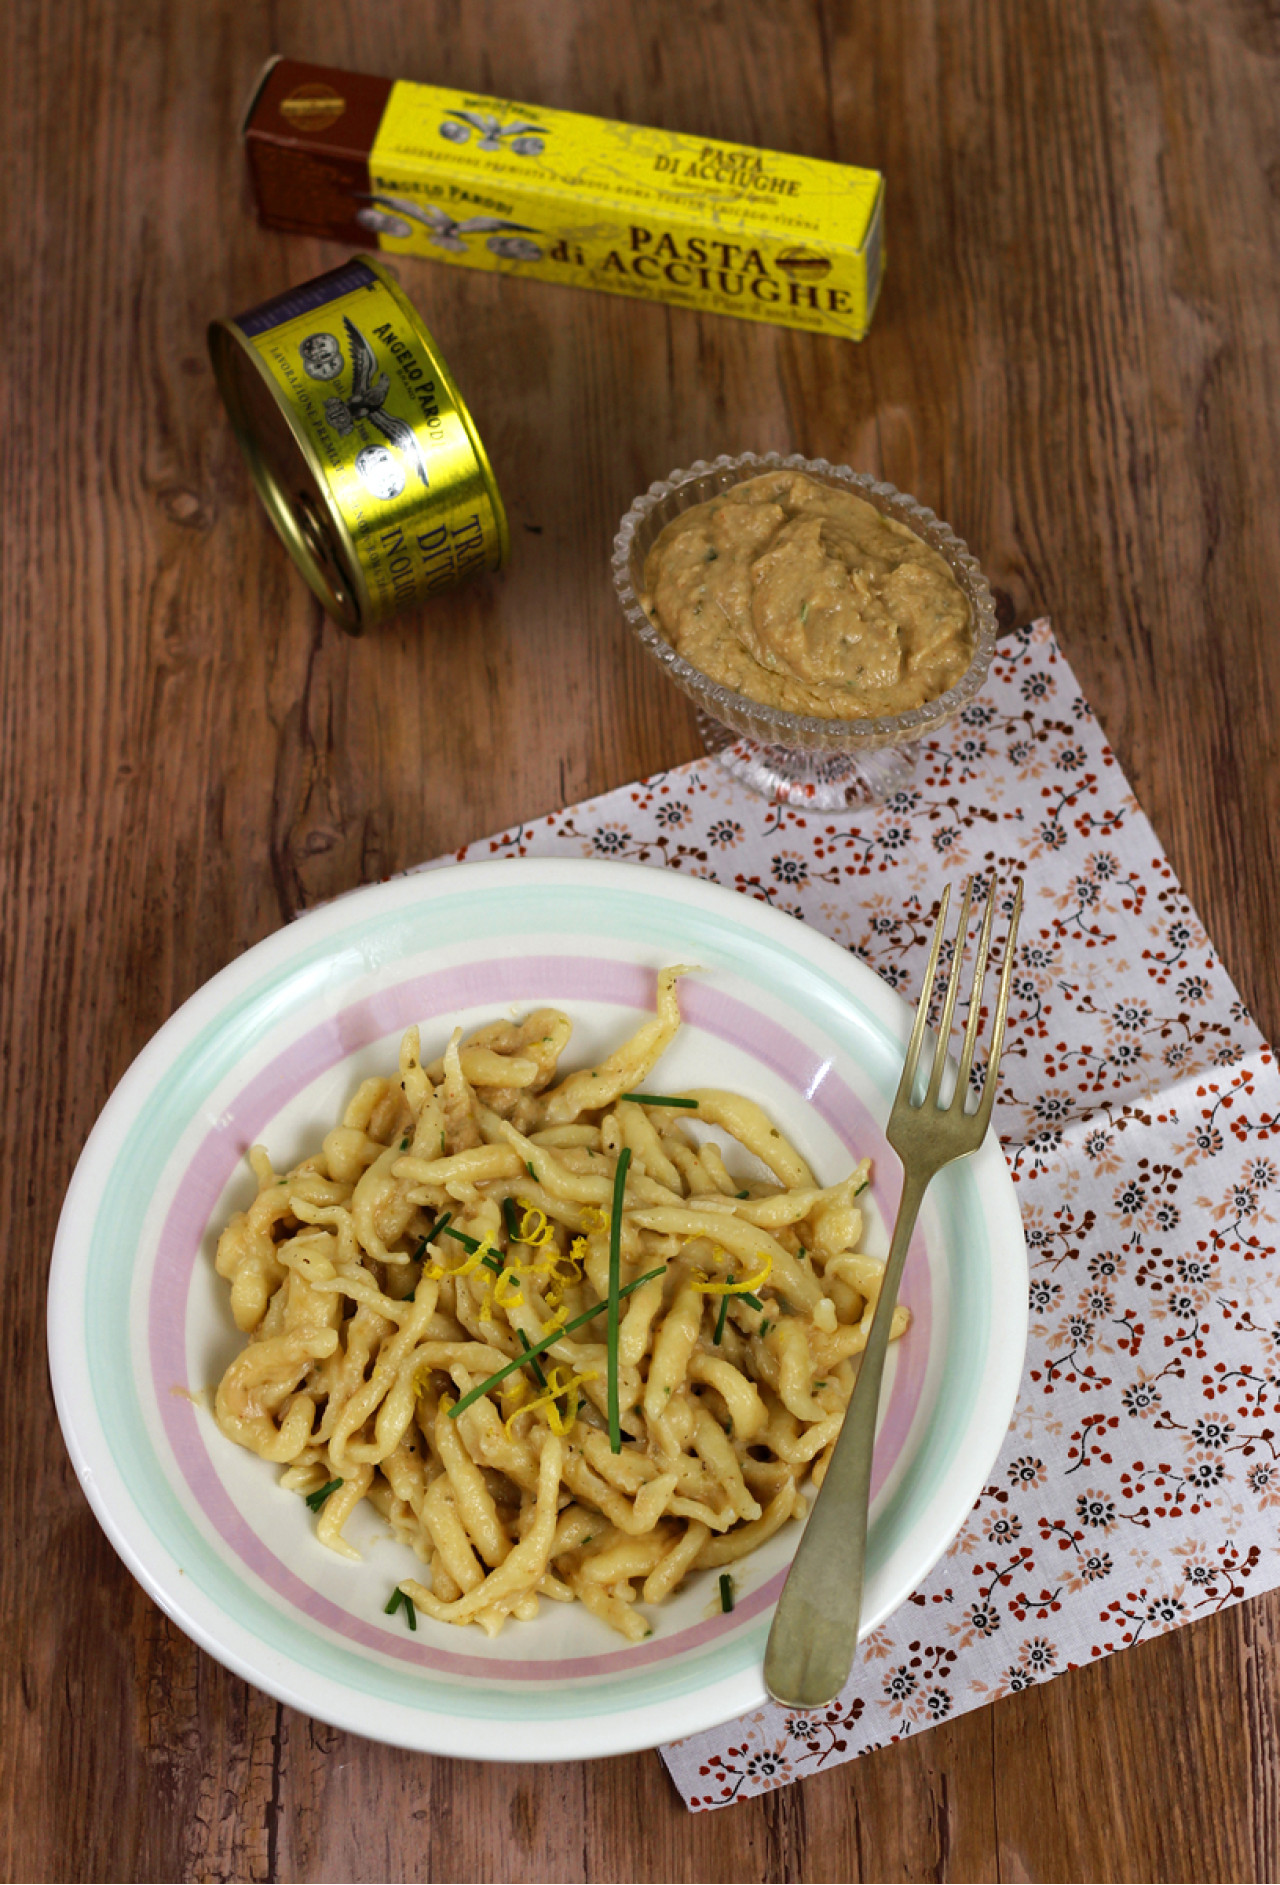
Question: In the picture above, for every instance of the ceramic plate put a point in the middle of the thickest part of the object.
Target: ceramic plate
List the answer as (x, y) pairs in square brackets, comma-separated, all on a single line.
[(140, 1329)]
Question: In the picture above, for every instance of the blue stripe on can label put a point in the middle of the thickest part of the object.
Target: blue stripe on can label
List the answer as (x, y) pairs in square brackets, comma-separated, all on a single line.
[(341, 281)]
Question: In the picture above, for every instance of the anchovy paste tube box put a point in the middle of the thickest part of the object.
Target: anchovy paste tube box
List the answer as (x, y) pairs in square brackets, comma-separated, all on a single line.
[(504, 185)]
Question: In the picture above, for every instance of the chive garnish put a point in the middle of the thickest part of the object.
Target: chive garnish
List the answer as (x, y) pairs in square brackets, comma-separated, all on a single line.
[(861, 1188), (510, 1219), (399, 1597), (536, 1365), (317, 1498), (544, 1342), (442, 1225), (744, 1194), (657, 1099), (726, 1592), (615, 1277), (528, 1165), (470, 1245), (752, 1302)]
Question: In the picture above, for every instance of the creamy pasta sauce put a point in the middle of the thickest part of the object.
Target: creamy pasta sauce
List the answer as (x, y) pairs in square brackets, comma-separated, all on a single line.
[(803, 596)]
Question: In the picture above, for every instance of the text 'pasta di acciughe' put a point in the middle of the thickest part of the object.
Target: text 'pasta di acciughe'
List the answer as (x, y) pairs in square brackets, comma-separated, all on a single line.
[(535, 1321)]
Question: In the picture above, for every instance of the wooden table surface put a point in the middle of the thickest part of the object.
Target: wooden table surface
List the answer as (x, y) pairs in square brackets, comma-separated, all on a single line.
[(1074, 360)]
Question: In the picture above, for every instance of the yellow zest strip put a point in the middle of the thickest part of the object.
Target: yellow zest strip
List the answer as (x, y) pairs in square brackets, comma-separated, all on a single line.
[(575, 1258), (557, 1390), (546, 1265), (472, 1260), (705, 1286), (506, 1290), (534, 1228), (558, 1269), (513, 1263), (595, 1217)]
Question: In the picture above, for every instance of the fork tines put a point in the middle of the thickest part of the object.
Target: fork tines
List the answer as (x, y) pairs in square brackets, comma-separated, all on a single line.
[(982, 1112)]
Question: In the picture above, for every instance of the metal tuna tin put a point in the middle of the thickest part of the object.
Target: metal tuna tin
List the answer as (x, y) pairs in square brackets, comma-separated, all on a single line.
[(360, 444)]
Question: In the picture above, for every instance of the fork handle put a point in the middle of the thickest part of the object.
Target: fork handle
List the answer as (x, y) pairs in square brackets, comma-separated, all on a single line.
[(815, 1627)]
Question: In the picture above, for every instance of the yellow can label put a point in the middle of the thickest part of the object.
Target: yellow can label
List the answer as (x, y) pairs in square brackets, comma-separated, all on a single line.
[(387, 434)]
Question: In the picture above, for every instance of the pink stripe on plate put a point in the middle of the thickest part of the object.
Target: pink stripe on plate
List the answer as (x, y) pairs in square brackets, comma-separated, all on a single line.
[(248, 1116)]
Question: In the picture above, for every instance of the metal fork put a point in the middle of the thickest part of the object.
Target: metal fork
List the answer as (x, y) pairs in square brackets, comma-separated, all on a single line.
[(815, 1627)]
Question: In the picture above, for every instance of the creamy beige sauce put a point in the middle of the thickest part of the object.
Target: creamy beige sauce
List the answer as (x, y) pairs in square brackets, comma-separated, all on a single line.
[(804, 597)]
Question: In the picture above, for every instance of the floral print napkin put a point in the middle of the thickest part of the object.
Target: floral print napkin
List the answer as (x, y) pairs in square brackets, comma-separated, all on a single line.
[(1139, 1108)]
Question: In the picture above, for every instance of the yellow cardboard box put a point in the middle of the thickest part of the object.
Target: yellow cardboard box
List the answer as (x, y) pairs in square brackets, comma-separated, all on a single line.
[(500, 184)]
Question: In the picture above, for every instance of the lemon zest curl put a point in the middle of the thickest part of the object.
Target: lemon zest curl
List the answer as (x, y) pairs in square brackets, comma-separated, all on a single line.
[(557, 1389), (709, 1286)]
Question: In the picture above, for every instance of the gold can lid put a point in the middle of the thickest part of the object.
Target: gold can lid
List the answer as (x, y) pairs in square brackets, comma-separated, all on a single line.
[(296, 495)]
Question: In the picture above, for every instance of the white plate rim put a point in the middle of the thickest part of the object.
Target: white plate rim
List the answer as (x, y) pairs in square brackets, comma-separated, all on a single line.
[(313, 947)]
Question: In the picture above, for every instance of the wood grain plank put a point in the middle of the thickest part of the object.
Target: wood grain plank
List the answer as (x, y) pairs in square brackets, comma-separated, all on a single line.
[(1102, 1774)]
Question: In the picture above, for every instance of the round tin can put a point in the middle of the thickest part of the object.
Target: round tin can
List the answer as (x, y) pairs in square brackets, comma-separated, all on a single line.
[(360, 444)]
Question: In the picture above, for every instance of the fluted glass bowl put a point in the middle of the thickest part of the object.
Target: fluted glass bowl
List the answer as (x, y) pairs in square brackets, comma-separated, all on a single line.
[(801, 759)]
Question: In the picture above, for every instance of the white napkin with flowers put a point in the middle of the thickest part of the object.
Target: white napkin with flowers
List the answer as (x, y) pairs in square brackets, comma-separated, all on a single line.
[(1139, 1487)]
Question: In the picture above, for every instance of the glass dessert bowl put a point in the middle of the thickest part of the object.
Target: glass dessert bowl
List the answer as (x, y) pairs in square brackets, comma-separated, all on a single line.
[(829, 765)]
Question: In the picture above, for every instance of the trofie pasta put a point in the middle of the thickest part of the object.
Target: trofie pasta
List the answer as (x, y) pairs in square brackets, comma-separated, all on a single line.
[(538, 1322)]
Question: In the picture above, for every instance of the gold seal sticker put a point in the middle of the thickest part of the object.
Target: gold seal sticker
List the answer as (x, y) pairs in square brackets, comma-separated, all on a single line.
[(312, 107), (804, 264)]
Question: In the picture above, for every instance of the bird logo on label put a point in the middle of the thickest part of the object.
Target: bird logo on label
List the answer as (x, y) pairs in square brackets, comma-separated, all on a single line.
[(386, 216), (365, 403)]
